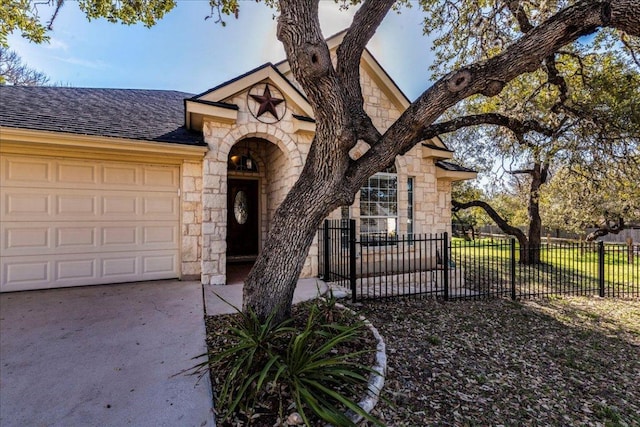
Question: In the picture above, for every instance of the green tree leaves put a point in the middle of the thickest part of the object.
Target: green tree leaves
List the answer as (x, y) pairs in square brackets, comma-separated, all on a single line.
[(21, 15)]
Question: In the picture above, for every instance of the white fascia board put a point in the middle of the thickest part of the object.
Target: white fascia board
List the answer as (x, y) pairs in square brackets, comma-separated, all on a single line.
[(428, 152), (266, 73), (446, 175), (225, 115), (27, 139), (303, 126)]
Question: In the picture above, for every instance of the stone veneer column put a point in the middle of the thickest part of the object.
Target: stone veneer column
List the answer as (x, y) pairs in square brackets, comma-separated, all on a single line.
[(214, 205), (214, 218), (191, 220)]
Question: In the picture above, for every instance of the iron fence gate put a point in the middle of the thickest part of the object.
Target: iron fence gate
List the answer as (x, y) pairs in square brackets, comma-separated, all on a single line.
[(432, 265)]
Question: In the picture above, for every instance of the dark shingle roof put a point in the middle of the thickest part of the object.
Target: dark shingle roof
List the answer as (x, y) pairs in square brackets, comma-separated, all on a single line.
[(452, 167), (150, 115)]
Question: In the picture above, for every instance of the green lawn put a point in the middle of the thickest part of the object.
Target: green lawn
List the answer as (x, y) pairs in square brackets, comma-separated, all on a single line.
[(565, 269)]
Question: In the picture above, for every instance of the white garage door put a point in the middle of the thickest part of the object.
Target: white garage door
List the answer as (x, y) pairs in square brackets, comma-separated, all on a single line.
[(70, 222)]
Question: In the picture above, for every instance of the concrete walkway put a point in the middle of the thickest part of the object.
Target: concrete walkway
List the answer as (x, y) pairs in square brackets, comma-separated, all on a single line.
[(103, 356), (111, 355), (306, 289)]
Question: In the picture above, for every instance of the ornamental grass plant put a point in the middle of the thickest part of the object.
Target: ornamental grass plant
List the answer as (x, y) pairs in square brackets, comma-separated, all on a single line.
[(309, 369)]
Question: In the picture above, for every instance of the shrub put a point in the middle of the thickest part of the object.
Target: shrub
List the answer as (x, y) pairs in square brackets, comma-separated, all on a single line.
[(267, 366)]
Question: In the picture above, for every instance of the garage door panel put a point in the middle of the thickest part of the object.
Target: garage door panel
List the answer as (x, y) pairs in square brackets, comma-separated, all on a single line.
[(80, 205), (68, 270), (118, 236), (23, 171), (161, 177), (121, 266), (78, 237), (26, 239), (76, 205), (74, 173), (158, 264), (20, 204), (115, 205), (71, 222), (121, 175), (167, 234), (160, 205), (26, 171), (76, 269), (43, 239), (26, 274)]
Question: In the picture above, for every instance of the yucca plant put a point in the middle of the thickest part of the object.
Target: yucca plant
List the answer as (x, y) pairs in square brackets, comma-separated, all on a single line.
[(274, 361), (319, 377), (251, 361)]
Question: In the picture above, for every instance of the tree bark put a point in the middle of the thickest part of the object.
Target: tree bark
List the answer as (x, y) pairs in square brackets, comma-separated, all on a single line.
[(538, 178), (330, 178), (606, 227), (523, 241)]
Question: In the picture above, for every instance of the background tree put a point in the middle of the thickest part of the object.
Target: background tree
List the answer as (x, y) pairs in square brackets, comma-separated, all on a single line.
[(581, 105), (330, 178), (14, 72), (22, 15), (605, 199)]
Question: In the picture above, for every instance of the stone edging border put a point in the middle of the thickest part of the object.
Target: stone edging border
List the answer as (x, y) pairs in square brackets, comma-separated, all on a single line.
[(376, 379)]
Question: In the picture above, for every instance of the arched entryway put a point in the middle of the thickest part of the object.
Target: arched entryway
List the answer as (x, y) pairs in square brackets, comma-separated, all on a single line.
[(257, 182)]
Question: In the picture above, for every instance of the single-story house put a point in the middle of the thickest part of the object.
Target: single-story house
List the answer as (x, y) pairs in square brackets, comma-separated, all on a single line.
[(118, 185)]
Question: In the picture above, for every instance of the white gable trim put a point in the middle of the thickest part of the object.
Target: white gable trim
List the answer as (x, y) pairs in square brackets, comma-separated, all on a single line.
[(268, 72)]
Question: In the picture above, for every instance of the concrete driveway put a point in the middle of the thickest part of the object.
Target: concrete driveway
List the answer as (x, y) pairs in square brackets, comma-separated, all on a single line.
[(103, 356)]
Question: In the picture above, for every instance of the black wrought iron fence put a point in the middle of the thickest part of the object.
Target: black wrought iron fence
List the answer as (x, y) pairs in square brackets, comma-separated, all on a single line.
[(433, 265)]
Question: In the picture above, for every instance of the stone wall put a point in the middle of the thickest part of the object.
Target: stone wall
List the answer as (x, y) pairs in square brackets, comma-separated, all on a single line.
[(280, 156), (191, 199), (280, 153)]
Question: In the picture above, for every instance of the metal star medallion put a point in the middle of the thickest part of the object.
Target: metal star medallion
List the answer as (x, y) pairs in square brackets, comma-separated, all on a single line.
[(267, 103)]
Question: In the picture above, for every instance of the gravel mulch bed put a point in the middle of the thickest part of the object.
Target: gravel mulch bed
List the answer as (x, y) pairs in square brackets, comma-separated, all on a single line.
[(557, 362)]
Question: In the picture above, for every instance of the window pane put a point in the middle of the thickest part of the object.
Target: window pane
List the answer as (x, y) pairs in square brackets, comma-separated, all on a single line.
[(379, 205)]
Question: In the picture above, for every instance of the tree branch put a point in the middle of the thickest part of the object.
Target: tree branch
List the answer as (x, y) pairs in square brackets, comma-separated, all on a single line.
[(606, 227), (520, 15), (556, 79), (495, 216), (54, 15), (364, 25), (489, 77), (517, 126)]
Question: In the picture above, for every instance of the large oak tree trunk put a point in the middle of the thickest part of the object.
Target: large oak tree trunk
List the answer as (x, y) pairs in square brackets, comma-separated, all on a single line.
[(272, 280), (538, 178), (330, 178), (502, 223), (529, 243)]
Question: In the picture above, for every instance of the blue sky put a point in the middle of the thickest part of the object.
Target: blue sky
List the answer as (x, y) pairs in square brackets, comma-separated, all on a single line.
[(184, 52)]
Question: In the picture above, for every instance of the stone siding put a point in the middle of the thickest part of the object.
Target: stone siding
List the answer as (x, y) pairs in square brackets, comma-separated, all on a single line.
[(191, 199), (280, 153)]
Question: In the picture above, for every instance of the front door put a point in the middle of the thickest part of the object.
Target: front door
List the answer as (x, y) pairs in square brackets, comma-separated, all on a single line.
[(242, 219)]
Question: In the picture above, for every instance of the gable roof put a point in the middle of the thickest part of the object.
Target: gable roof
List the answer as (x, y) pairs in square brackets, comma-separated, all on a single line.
[(228, 88), (216, 98), (149, 115)]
